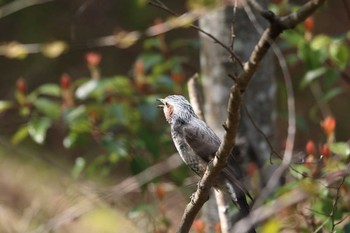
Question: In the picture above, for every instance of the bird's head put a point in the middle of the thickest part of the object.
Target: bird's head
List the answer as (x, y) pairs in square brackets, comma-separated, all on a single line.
[(176, 109)]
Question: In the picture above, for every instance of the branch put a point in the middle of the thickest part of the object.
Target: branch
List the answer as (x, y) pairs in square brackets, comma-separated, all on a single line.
[(159, 4), (291, 198), (277, 26), (18, 5)]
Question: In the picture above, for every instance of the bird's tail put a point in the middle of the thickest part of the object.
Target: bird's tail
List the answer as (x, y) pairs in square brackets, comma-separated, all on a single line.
[(239, 199)]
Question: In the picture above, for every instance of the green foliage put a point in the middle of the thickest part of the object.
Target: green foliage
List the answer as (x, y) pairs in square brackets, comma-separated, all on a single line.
[(117, 114)]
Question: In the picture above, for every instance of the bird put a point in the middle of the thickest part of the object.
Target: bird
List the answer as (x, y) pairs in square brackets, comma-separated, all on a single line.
[(197, 144)]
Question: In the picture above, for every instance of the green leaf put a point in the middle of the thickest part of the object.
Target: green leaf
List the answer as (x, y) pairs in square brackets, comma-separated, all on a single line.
[(331, 94), (38, 127), (20, 135), (320, 42), (311, 76), (339, 53), (273, 225), (86, 89), (340, 148), (70, 140), (114, 146), (5, 105), (75, 114), (79, 165), (48, 108), (49, 89)]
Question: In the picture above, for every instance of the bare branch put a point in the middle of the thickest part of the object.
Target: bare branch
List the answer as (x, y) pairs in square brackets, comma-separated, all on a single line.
[(18, 5), (134, 182), (222, 203), (234, 56)]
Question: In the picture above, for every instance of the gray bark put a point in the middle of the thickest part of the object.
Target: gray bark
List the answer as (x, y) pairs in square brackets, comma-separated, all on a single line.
[(259, 97)]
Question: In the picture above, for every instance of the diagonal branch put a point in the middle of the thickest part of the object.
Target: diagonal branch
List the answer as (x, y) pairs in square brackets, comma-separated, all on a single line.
[(277, 26), (234, 56)]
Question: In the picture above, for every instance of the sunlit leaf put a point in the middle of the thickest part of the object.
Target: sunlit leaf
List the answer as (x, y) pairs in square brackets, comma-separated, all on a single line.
[(70, 140), (5, 105), (340, 148), (15, 50), (54, 49), (320, 42), (75, 114), (20, 135), (272, 225), (312, 75), (48, 107), (49, 89), (37, 128), (86, 89), (79, 165), (339, 53)]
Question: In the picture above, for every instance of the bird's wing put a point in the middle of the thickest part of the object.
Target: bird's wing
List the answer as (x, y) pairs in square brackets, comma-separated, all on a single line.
[(203, 141)]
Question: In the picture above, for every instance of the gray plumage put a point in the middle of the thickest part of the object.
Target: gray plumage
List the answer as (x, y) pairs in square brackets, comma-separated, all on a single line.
[(197, 145)]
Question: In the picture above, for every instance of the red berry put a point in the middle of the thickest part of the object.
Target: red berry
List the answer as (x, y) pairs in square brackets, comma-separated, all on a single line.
[(65, 81), (251, 169), (93, 58), (309, 23), (310, 148), (21, 86), (325, 151), (277, 2), (328, 125), (160, 192), (178, 77), (139, 67), (198, 226)]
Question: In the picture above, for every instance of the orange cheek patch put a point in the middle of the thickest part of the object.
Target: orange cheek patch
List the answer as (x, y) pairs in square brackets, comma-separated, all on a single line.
[(168, 112)]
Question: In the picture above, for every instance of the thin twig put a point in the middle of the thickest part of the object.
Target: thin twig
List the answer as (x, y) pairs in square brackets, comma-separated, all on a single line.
[(335, 203), (134, 182), (159, 4), (233, 25), (288, 153)]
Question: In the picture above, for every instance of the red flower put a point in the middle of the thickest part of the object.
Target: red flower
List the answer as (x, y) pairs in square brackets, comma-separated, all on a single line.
[(93, 59), (65, 81), (328, 125), (21, 86), (251, 169), (310, 147), (325, 151), (139, 67), (309, 23), (198, 226), (178, 77), (160, 192)]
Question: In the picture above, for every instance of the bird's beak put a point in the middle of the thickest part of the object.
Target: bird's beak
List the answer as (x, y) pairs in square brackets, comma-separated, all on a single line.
[(161, 105)]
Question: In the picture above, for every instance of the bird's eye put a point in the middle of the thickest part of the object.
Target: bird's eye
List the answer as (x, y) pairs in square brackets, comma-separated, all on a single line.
[(167, 105)]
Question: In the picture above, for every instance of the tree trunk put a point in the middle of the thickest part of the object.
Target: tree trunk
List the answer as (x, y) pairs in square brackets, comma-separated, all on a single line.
[(259, 97)]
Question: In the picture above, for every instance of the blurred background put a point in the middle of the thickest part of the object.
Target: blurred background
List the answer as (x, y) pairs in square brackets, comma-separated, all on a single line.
[(78, 109)]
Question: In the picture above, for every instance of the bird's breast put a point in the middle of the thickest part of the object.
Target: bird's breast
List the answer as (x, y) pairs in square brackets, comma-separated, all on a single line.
[(187, 154)]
